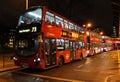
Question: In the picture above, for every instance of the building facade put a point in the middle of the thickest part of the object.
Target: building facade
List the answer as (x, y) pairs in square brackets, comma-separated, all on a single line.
[(116, 18)]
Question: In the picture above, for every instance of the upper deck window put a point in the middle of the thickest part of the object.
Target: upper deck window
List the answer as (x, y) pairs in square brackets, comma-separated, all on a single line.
[(49, 18), (31, 16), (75, 28), (80, 30), (66, 24), (71, 26), (59, 21)]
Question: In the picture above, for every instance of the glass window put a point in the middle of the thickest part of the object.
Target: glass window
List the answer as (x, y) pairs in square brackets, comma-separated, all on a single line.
[(75, 28), (70, 45), (26, 47), (74, 47), (78, 29), (59, 21), (71, 27), (81, 30), (31, 16), (67, 44), (66, 24), (81, 45), (77, 45), (49, 18), (60, 44)]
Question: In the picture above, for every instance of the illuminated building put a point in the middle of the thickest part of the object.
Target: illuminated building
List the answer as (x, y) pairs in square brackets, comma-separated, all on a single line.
[(116, 18)]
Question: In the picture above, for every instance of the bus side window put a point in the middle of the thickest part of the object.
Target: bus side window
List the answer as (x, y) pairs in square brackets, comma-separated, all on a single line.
[(60, 25), (53, 23), (67, 46), (47, 21), (80, 45), (47, 47), (49, 18), (75, 29), (83, 45), (60, 44), (77, 45), (71, 26), (66, 24), (59, 21)]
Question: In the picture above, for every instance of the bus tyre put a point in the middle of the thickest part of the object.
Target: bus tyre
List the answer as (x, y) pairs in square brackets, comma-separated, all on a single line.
[(81, 56), (61, 61)]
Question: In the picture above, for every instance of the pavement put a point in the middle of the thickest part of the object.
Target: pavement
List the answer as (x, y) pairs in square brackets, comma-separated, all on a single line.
[(10, 68), (6, 63)]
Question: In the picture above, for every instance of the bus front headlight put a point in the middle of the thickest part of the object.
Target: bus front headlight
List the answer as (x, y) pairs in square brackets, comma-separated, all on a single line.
[(14, 58), (37, 60)]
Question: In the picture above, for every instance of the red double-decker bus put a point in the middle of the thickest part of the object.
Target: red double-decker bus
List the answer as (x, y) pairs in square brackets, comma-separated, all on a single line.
[(45, 39), (116, 43), (108, 43), (94, 42)]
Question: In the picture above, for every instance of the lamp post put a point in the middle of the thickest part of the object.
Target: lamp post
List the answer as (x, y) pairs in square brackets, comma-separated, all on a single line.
[(87, 34), (26, 4), (88, 25)]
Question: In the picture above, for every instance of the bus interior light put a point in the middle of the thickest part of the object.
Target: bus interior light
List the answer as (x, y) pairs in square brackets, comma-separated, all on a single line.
[(34, 14)]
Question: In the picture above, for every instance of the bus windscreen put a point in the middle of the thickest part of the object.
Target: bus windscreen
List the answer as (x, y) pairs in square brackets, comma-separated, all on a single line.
[(30, 16)]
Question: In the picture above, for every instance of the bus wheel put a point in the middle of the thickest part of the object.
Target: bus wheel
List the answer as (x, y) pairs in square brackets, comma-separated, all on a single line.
[(81, 56), (61, 61)]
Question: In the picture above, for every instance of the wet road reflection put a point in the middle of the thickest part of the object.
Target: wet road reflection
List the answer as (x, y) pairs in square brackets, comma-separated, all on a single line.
[(103, 67), (24, 77)]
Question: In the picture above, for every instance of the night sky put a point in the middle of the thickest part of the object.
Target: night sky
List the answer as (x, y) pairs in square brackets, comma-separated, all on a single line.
[(98, 12)]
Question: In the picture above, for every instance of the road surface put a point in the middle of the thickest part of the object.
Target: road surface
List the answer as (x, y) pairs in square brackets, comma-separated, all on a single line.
[(103, 67)]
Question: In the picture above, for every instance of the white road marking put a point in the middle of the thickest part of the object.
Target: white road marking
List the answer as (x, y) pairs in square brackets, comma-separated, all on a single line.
[(50, 77), (108, 77), (79, 66), (82, 70)]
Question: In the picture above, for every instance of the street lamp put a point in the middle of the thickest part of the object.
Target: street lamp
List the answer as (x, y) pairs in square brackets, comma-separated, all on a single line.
[(89, 25), (26, 4), (101, 33)]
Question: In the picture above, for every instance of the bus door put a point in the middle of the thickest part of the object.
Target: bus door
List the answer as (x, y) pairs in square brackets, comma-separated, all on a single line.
[(72, 50), (50, 52)]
